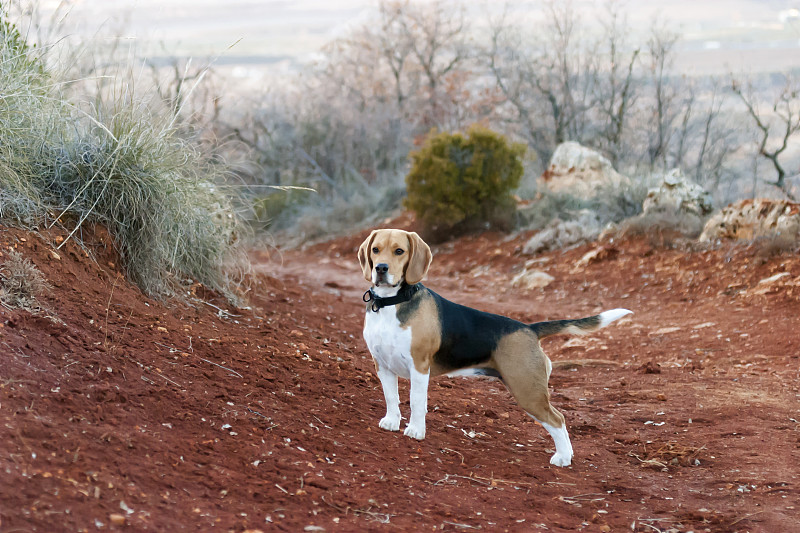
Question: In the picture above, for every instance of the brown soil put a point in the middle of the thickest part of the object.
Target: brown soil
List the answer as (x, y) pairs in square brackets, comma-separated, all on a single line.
[(118, 412)]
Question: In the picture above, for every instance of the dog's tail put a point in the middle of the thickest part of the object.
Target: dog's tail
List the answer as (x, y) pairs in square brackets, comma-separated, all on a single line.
[(578, 326)]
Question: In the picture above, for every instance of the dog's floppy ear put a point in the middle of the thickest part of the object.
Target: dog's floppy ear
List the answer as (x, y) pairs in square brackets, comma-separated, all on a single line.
[(420, 259), (364, 257)]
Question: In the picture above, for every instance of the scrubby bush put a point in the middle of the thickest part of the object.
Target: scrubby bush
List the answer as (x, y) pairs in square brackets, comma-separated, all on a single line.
[(460, 183)]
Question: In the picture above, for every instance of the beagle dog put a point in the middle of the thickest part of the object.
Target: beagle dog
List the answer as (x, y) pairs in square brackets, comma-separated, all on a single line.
[(414, 333)]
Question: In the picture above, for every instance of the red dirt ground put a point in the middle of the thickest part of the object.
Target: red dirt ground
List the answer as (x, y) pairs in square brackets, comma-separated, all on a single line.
[(200, 417)]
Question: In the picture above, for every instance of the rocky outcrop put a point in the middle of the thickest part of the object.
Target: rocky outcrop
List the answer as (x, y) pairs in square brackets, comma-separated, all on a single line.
[(677, 194), (562, 233), (579, 171), (676, 208), (750, 219)]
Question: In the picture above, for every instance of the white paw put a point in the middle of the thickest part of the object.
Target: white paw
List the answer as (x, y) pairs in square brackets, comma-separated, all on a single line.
[(415, 432), (391, 423), (561, 459)]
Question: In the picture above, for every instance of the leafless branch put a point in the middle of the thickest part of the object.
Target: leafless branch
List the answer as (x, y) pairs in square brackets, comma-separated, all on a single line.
[(786, 112)]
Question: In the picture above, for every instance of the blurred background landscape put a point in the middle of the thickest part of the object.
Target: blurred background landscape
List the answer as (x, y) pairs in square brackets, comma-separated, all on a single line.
[(310, 109), (716, 37)]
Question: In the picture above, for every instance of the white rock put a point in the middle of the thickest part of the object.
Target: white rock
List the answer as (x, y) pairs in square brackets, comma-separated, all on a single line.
[(560, 233), (677, 194), (534, 279), (579, 171)]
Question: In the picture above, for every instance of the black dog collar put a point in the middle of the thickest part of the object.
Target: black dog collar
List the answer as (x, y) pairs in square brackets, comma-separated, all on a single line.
[(379, 302)]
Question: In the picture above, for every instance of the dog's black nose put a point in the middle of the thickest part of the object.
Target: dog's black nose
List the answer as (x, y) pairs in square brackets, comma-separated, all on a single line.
[(381, 268)]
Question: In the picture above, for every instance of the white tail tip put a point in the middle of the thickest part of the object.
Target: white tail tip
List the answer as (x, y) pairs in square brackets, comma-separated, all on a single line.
[(607, 317)]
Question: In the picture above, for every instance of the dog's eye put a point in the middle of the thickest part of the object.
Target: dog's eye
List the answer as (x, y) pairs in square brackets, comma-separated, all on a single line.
[(399, 251), (375, 250)]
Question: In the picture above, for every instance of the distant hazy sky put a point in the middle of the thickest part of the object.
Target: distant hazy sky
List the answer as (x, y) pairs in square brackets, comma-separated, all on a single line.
[(744, 32)]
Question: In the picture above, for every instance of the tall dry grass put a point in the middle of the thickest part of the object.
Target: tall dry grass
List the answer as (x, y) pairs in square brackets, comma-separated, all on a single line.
[(118, 160)]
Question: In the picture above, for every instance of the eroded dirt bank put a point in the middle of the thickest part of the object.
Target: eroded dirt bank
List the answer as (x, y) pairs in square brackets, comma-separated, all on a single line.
[(204, 417)]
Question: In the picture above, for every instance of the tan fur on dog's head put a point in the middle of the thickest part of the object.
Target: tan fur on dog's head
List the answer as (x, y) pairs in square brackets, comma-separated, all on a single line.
[(404, 252)]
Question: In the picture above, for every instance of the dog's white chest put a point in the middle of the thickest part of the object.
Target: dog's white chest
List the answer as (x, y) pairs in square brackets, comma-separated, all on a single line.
[(388, 343)]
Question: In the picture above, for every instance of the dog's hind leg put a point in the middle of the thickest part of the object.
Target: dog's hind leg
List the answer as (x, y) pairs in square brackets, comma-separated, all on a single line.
[(525, 370), (389, 383), (537, 404), (419, 404), (563, 455)]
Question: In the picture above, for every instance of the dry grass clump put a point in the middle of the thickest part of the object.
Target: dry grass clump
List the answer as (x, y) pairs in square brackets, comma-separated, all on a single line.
[(119, 161), (27, 112), (156, 194), (611, 203), (21, 283), (580, 227)]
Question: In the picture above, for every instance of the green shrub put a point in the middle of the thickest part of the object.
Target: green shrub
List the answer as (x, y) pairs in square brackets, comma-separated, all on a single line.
[(463, 183)]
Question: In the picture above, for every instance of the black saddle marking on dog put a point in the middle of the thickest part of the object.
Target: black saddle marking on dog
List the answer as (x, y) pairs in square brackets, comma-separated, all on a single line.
[(469, 336)]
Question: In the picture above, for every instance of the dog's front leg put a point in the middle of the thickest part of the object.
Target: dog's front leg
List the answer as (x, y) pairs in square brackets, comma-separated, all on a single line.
[(389, 383), (419, 404)]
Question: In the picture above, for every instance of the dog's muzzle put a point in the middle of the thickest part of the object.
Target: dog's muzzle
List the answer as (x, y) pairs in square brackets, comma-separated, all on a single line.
[(382, 274)]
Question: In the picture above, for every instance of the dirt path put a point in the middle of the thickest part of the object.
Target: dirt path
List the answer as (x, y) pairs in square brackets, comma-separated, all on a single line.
[(202, 417)]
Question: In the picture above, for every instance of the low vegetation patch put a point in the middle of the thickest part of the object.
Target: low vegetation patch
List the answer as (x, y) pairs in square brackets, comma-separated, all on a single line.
[(663, 228), (119, 161)]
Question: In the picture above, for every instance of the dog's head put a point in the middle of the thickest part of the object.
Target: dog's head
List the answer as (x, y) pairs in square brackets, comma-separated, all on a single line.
[(390, 256)]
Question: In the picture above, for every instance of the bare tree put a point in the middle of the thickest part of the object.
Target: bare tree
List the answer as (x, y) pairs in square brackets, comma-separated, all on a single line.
[(660, 47), (514, 73), (564, 71), (615, 85), (434, 35), (683, 132), (717, 140), (414, 55), (784, 118), (396, 50), (546, 78)]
